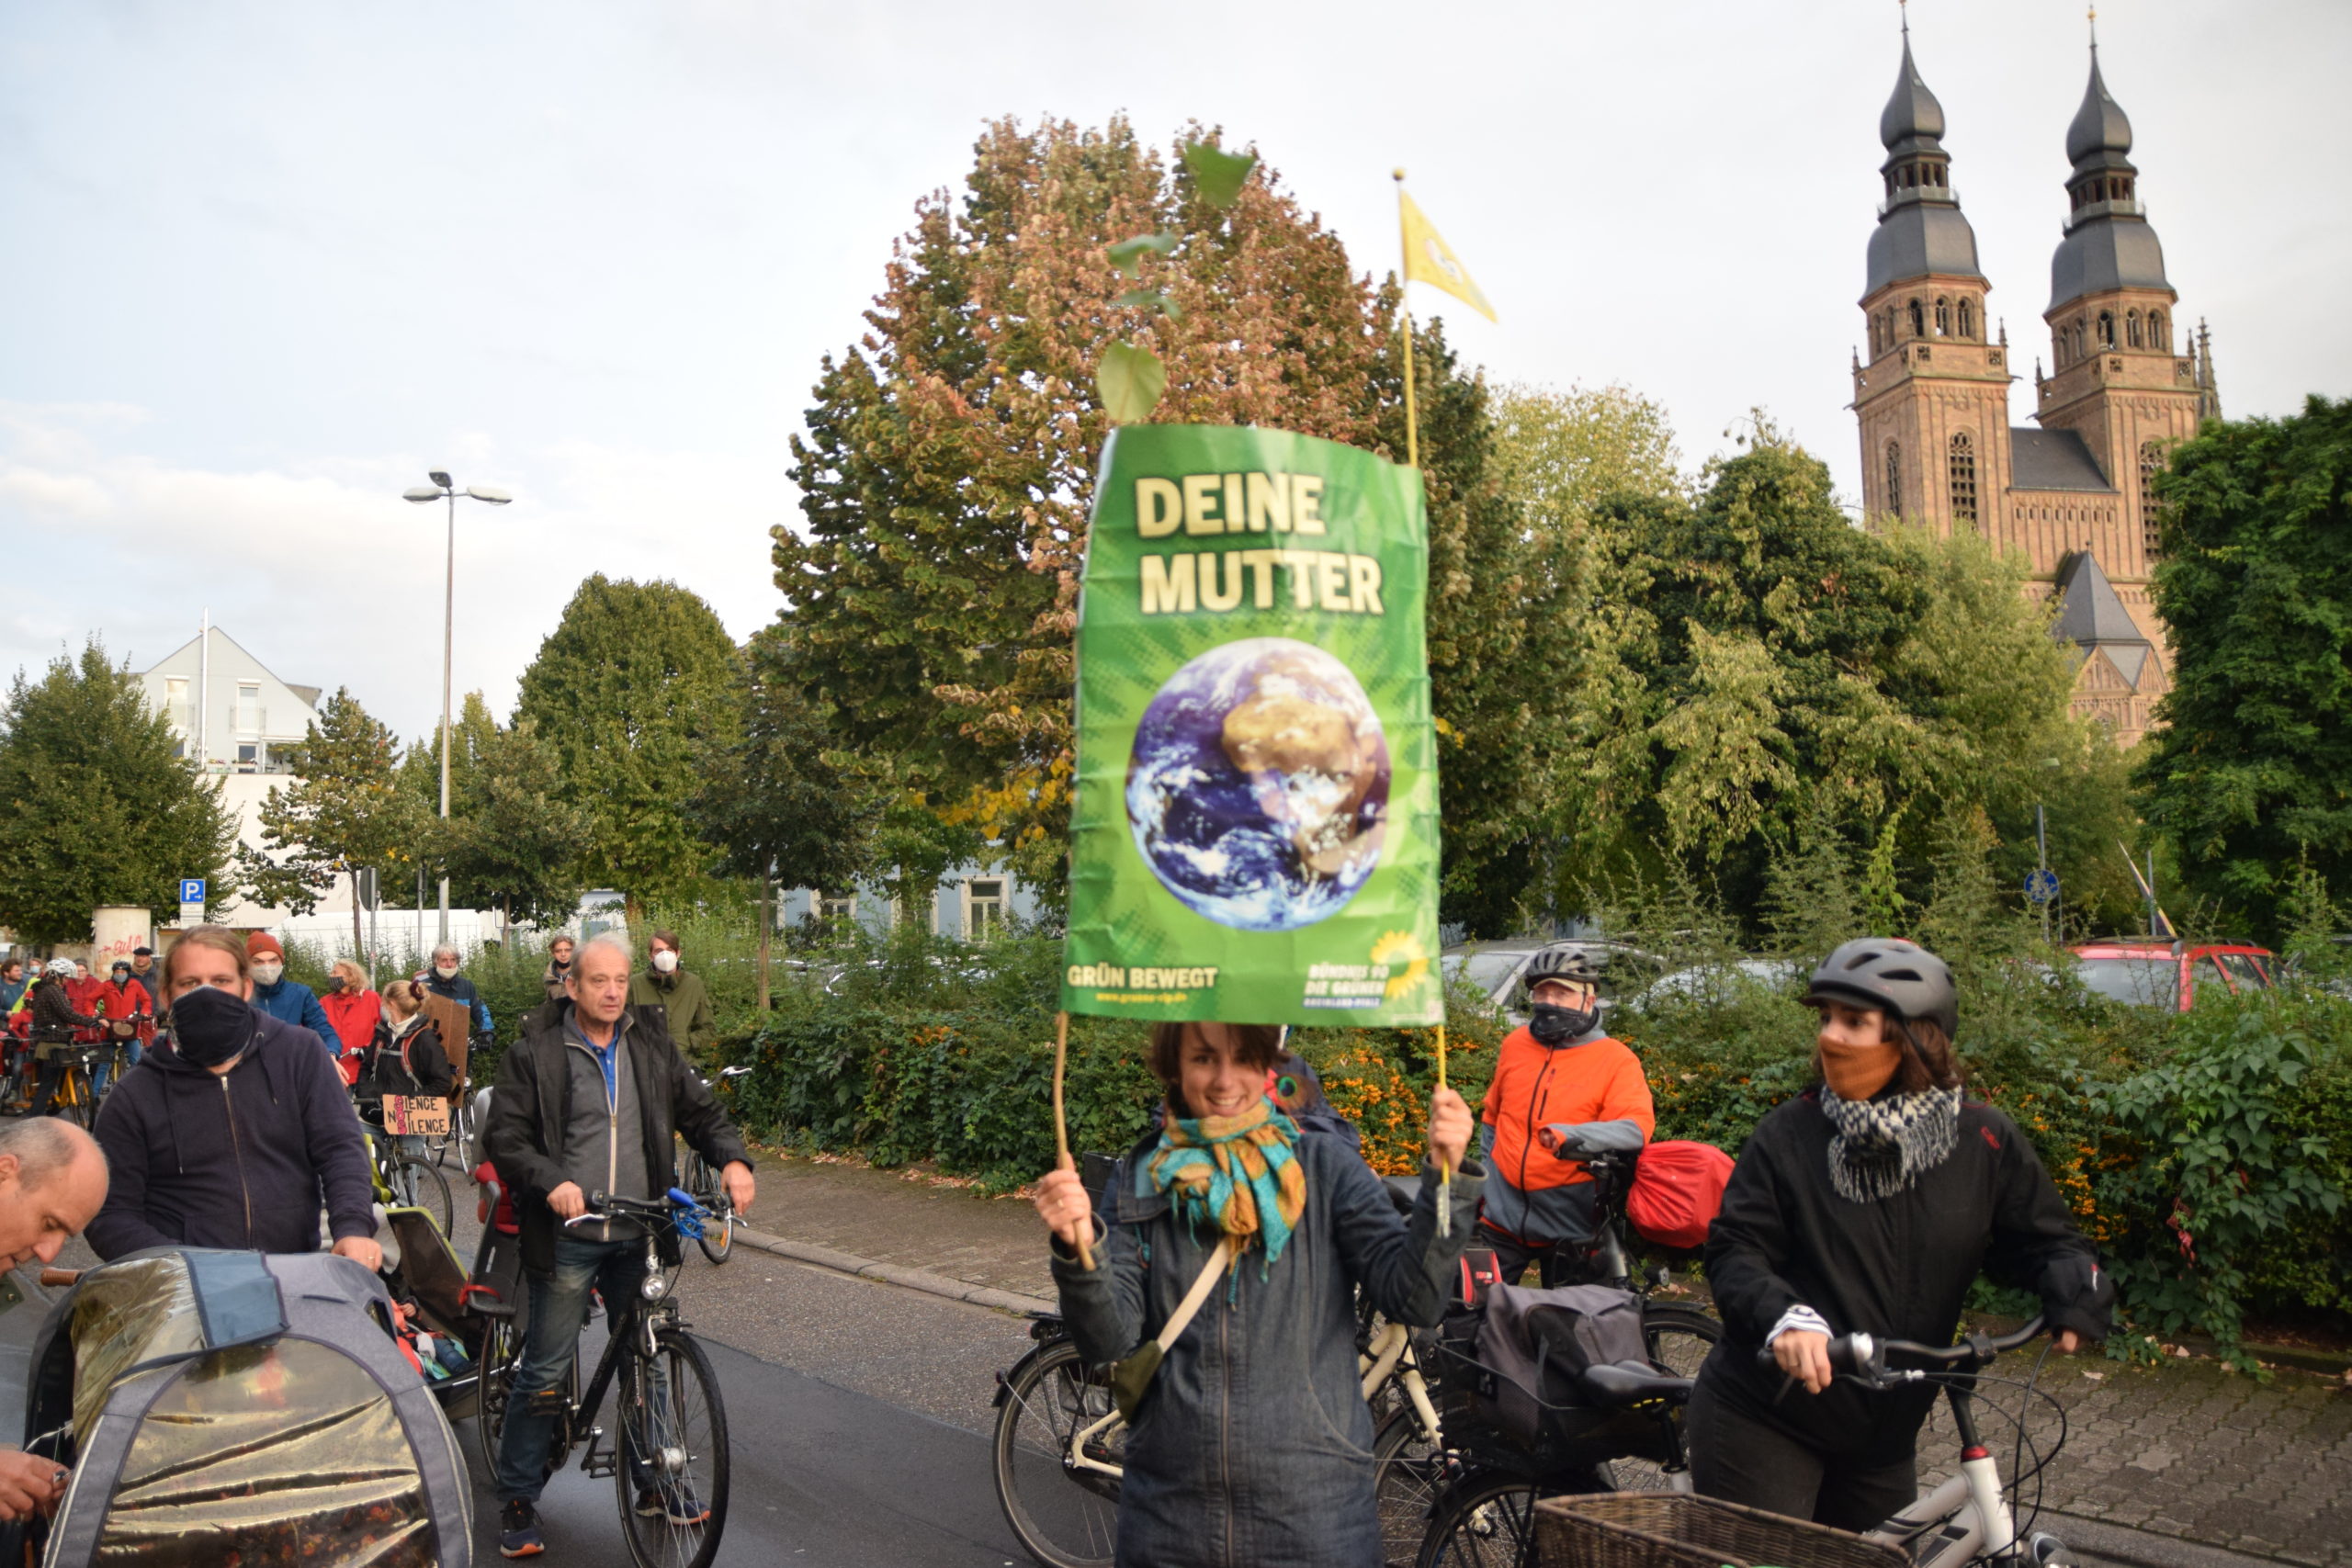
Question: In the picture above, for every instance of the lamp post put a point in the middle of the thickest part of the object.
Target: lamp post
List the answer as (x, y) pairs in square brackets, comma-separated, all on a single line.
[(440, 487)]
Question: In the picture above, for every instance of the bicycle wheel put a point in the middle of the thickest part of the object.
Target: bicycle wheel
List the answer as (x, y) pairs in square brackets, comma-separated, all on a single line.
[(76, 1094), (1677, 1338), (1487, 1520), (502, 1356), (419, 1184), (1067, 1517), (1408, 1473), (673, 1454)]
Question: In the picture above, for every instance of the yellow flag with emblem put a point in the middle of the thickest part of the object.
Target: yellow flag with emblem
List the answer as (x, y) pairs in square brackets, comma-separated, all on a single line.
[(1428, 259)]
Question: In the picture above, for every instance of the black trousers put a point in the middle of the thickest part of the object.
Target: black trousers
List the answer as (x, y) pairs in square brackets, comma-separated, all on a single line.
[(1559, 1260), (1741, 1458)]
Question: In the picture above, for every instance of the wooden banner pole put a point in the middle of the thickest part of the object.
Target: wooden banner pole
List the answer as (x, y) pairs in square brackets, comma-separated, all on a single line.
[(1445, 1171), (1061, 1131)]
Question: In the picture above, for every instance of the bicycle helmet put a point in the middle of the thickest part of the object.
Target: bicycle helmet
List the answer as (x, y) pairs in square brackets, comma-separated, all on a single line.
[(60, 970), (1570, 964), (1889, 974)]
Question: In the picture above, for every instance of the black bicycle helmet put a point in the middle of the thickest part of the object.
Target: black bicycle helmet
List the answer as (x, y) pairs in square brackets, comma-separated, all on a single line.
[(1889, 974), (1563, 963)]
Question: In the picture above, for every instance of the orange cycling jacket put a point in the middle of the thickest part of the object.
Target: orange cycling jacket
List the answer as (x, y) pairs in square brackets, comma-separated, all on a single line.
[(1597, 1079)]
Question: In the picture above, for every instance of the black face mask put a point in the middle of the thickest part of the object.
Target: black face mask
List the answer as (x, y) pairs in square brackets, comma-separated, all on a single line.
[(210, 1026), (1557, 1025)]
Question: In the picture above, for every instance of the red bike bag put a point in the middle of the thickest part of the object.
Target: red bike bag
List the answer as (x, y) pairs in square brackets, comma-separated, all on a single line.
[(1677, 1190)]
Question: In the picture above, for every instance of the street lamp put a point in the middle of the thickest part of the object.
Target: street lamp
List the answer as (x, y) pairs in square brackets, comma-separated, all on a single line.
[(441, 487)]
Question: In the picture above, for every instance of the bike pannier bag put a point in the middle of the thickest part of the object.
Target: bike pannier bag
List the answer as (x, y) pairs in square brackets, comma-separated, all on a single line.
[(1677, 1190), (1538, 1341), (1481, 1272)]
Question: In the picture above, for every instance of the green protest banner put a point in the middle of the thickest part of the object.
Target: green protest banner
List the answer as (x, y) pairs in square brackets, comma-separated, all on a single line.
[(1254, 837)]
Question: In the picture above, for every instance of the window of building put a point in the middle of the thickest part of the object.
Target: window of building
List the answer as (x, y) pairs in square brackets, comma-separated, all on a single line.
[(2107, 329), (1963, 479), (248, 757), (2151, 463), (1918, 319), (983, 906), (1967, 319), (837, 906), (249, 705), (1943, 317), (2157, 338), (2132, 328), (1894, 477)]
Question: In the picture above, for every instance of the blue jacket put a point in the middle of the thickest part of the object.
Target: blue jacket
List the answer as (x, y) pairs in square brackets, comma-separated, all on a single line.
[(290, 1001), (244, 1159)]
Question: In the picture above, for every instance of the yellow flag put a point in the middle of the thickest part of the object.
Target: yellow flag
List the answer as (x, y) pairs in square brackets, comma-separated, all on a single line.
[(1428, 259)]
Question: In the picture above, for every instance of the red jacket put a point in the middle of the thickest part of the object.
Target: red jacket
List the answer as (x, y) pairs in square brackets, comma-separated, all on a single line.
[(88, 997), (355, 1015), (129, 1000)]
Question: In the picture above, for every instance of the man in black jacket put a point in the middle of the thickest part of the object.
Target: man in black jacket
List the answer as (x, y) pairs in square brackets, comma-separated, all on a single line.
[(234, 1129), (589, 1101)]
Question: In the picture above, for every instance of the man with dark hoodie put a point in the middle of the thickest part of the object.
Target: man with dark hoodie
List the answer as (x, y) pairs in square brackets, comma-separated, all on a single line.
[(234, 1129), (1562, 1088)]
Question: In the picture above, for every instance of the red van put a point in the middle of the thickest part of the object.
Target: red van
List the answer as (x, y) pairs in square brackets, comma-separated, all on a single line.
[(2149, 972)]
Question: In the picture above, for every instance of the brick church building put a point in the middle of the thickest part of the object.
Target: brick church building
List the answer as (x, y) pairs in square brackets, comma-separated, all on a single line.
[(2072, 489)]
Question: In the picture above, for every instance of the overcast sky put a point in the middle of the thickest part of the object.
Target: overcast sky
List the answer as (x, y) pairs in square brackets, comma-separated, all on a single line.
[(265, 263)]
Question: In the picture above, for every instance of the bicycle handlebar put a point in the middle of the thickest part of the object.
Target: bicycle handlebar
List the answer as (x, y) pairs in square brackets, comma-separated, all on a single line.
[(611, 1206), (1865, 1355)]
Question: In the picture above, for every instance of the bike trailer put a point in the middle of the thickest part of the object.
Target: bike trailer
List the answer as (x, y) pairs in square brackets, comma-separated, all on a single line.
[(1520, 1381), (1677, 1190), (235, 1407)]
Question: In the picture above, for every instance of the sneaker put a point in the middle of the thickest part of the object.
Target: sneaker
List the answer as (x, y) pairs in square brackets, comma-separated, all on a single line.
[(518, 1529), (678, 1504)]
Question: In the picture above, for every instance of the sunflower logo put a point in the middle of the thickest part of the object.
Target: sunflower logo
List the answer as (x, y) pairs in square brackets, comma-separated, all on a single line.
[(1403, 947)]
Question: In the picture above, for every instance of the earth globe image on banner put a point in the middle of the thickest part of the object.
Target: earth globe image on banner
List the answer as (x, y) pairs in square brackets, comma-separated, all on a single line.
[(1258, 789)]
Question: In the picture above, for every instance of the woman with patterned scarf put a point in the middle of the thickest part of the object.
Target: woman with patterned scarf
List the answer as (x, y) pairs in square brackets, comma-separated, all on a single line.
[(1251, 1444), (1868, 1204)]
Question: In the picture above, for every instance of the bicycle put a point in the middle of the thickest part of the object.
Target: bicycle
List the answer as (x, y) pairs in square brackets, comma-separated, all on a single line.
[(77, 1094), (673, 1442), (702, 1178), (405, 1181), (1966, 1518)]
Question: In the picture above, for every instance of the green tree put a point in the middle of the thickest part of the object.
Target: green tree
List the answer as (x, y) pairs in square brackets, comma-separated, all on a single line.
[(634, 681), (344, 812), (2250, 774), (95, 807), (512, 840), (948, 471), (777, 800)]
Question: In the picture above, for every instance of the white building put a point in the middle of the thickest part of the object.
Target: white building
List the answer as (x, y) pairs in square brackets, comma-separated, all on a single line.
[(229, 712)]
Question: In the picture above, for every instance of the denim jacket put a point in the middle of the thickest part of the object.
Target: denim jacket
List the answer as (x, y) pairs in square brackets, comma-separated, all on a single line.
[(1253, 1448)]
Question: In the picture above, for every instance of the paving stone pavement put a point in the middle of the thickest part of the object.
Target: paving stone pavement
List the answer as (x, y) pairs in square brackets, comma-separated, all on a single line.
[(2185, 1450)]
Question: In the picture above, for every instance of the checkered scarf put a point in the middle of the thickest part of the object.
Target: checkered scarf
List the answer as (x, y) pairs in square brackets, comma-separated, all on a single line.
[(1882, 1145)]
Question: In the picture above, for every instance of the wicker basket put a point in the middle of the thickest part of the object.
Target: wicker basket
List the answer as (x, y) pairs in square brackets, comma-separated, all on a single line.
[(1677, 1529)]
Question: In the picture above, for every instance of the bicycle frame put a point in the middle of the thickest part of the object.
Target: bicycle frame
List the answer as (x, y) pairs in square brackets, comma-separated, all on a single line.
[(640, 1320), (1968, 1514)]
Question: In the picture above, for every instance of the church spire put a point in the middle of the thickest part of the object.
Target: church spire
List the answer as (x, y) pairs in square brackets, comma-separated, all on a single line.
[(1920, 230), (2108, 242)]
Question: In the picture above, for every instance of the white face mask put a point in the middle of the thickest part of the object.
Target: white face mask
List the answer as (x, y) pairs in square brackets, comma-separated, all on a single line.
[(446, 971), (665, 960), (266, 973)]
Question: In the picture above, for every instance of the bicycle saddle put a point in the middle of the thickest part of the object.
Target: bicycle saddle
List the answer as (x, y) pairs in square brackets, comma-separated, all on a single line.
[(1629, 1383), (1404, 1191)]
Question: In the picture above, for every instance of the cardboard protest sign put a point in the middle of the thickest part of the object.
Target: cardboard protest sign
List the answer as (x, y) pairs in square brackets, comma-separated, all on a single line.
[(1254, 836), (416, 1115)]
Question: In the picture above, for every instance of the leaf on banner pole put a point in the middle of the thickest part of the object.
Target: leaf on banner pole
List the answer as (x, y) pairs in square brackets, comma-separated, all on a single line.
[(1130, 380), (1219, 174), (1128, 254), (1151, 296)]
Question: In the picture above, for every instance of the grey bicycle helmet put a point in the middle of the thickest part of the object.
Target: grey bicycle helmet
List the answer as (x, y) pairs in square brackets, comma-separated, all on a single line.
[(1889, 974), (60, 970), (1570, 964)]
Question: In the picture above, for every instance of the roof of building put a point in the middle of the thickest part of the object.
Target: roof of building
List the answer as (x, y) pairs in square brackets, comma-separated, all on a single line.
[(2052, 459), (2100, 125), (1913, 112), (308, 693), (2091, 615), (2109, 251)]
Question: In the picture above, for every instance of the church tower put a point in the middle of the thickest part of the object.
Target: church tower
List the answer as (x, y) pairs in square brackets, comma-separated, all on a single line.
[(1933, 397)]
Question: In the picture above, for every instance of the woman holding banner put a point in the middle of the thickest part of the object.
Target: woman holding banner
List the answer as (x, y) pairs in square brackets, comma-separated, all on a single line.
[(1250, 1439)]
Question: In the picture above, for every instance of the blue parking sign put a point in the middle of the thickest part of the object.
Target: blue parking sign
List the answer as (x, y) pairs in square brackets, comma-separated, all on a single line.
[(192, 890)]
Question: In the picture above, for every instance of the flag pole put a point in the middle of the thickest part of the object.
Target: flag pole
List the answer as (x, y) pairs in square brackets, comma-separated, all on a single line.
[(1061, 1130), (1444, 1172), (1412, 426)]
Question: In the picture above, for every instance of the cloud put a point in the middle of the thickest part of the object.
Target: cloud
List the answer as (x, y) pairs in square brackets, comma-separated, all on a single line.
[(331, 580)]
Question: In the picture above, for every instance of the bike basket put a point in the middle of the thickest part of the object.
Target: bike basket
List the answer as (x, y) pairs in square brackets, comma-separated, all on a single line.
[(1680, 1529)]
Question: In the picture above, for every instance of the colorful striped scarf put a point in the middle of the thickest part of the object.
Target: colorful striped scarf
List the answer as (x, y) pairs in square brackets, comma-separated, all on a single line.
[(1237, 1173)]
